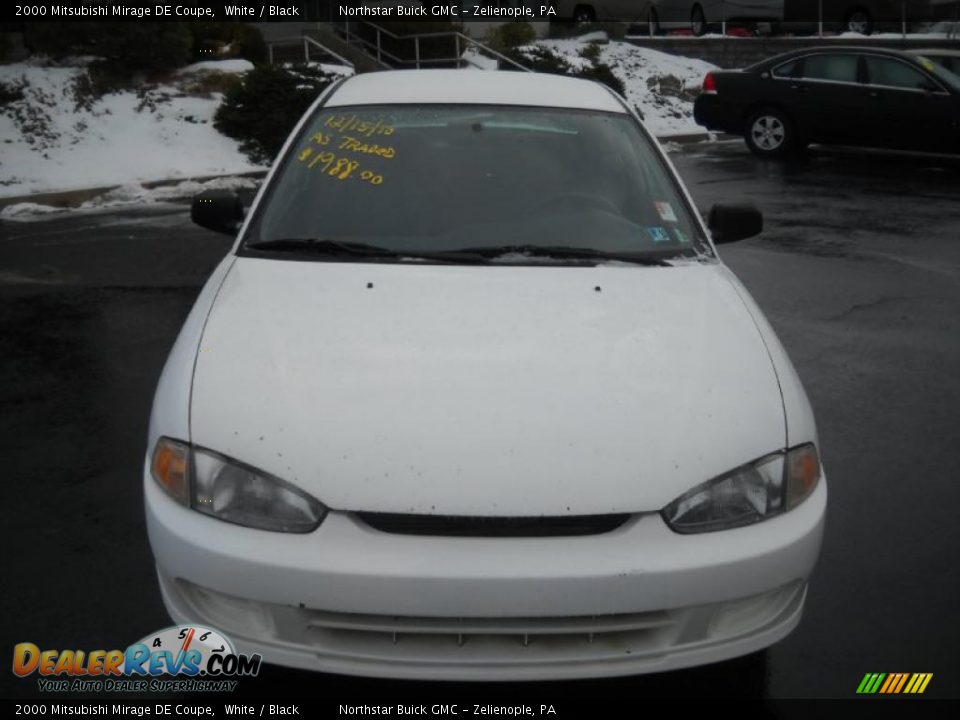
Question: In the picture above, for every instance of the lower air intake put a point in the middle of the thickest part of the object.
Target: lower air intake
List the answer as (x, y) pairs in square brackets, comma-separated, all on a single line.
[(469, 526)]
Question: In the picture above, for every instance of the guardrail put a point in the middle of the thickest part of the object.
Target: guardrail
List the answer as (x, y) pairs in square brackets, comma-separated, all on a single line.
[(908, 14), (307, 42), (375, 48)]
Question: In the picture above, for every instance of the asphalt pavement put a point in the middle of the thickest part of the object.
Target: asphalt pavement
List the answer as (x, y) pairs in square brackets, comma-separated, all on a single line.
[(858, 270)]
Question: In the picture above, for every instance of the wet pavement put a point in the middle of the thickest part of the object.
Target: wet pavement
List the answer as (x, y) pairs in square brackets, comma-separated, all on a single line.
[(858, 270)]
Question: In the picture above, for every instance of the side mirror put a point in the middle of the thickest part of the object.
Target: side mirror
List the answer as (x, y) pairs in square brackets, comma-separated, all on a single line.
[(217, 210), (729, 223)]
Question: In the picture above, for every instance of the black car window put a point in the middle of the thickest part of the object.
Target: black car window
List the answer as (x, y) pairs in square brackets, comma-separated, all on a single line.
[(894, 73), (787, 69), (836, 68), (934, 63)]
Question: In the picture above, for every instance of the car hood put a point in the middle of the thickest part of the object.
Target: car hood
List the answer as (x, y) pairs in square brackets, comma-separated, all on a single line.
[(485, 390)]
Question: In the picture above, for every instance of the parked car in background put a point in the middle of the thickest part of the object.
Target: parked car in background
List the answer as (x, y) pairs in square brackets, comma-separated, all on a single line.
[(857, 16), (835, 95), (590, 10), (473, 397), (944, 57), (701, 15)]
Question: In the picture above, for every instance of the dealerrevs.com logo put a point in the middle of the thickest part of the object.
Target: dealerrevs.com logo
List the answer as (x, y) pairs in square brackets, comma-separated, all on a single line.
[(197, 658)]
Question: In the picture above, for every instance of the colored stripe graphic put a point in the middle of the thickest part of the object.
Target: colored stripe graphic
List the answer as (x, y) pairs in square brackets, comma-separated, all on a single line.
[(894, 683), (891, 680), (903, 680)]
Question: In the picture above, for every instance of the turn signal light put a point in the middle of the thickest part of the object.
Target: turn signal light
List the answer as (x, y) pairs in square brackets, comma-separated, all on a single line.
[(169, 468)]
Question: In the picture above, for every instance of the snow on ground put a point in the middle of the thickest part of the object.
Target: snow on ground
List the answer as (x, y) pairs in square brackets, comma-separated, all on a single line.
[(233, 66), (49, 142), (475, 58), (661, 86), (343, 70)]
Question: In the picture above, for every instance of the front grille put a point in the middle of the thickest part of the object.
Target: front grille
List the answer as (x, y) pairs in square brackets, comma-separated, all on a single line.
[(480, 526), (650, 629)]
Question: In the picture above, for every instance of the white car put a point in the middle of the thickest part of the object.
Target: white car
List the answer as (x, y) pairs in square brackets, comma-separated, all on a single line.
[(699, 15), (473, 397), (585, 11)]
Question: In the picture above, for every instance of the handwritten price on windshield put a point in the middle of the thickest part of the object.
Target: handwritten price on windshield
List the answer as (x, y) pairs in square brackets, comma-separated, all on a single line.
[(341, 168)]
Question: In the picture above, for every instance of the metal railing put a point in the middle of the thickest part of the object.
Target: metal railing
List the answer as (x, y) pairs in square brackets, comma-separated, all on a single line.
[(375, 48), (905, 18), (307, 43)]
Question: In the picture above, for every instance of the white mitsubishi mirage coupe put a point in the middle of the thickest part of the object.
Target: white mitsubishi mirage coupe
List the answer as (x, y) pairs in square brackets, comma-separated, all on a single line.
[(473, 397)]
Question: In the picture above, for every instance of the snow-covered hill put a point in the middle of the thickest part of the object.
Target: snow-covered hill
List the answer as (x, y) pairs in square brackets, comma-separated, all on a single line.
[(660, 85), (49, 141)]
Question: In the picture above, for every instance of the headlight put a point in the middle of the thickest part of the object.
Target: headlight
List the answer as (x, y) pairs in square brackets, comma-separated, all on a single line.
[(229, 490), (757, 491)]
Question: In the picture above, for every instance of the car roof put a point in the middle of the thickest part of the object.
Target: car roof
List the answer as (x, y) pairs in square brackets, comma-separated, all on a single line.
[(474, 87), (864, 49), (935, 52)]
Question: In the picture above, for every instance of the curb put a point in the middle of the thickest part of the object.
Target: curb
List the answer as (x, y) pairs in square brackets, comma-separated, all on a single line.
[(74, 198), (692, 138)]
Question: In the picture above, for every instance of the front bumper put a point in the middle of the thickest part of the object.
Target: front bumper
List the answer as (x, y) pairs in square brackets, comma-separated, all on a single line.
[(350, 599)]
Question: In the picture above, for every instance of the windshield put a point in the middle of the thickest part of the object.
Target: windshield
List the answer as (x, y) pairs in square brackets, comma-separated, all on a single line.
[(440, 179)]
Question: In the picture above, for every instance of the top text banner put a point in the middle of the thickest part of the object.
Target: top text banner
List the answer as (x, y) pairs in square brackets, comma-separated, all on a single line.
[(303, 11)]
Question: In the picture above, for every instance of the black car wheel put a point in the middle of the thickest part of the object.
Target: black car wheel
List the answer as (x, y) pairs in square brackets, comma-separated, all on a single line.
[(858, 20), (584, 14), (770, 133), (698, 21)]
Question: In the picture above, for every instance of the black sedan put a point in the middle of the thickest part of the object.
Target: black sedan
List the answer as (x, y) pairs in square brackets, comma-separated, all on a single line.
[(835, 95)]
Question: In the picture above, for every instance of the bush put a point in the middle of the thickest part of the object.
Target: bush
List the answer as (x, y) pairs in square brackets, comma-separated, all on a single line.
[(601, 72), (124, 48), (57, 40), (11, 92), (248, 43), (128, 47), (591, 52), (511, 35), (244, 41), (262, 111), (6, 46), (541, 59)]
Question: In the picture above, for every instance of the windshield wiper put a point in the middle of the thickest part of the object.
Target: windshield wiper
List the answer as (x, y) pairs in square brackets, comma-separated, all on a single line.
[(356, 249), (563, 251), (472, 255)]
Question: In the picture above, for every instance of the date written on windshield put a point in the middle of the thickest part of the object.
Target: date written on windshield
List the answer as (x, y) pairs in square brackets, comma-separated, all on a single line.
[(341, 168)]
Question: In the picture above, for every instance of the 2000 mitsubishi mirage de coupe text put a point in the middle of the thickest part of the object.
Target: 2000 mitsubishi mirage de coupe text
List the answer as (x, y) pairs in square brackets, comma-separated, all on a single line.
[(473, 397)]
